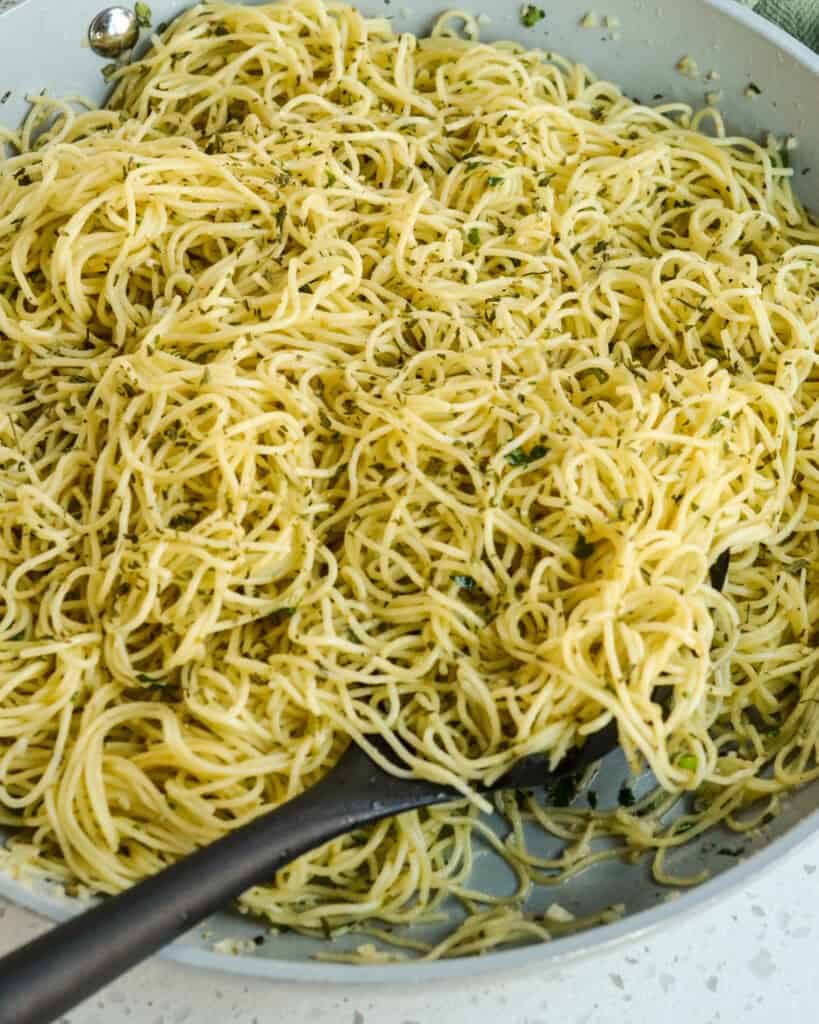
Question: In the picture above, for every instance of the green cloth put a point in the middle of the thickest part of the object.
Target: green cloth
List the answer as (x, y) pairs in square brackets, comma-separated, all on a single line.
[(799, 17)]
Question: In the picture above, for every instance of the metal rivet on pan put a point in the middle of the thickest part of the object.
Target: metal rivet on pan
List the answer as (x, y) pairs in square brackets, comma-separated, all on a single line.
[(113, 31)]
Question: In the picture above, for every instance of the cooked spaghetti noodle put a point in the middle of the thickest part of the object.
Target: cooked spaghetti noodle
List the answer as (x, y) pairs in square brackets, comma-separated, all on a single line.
[(356, 385)]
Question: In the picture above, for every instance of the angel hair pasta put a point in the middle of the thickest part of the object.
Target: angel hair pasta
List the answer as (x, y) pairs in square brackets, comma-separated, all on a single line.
[(356, 385)]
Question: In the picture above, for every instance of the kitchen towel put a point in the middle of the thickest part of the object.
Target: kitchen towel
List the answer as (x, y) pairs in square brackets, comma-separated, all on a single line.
[(799, 17)]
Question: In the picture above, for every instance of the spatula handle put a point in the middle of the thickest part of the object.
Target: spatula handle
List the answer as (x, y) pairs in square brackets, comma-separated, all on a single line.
[(47, 977)]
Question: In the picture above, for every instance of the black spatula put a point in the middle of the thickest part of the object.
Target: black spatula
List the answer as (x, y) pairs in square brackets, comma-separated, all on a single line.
[(47, 977)]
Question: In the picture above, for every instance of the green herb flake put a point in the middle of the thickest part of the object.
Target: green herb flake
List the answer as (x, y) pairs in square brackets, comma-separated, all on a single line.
[(583, 549), (143, 15), (473, 236), (493, 181), (150, 680), (598, 373), (531, 15), (465, 582), (688, 762), (621, 504), (519, 457), (182, 521), (279, 615)]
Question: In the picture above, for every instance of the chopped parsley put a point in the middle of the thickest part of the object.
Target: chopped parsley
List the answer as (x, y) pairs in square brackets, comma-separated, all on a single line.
[(688, 762), (531, 15), (519, 457), (143, 15), (182, 521), (719, 570), (465, 582), (583, 548), (493, 181), (597, 372), (473, 236), (280, 614)]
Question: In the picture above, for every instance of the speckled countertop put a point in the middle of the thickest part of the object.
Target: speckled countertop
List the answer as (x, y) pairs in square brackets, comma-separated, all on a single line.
[(751, 958)]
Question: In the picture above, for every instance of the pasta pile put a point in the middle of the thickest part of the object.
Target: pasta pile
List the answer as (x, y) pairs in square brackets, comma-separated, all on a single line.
[(360, 386)]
